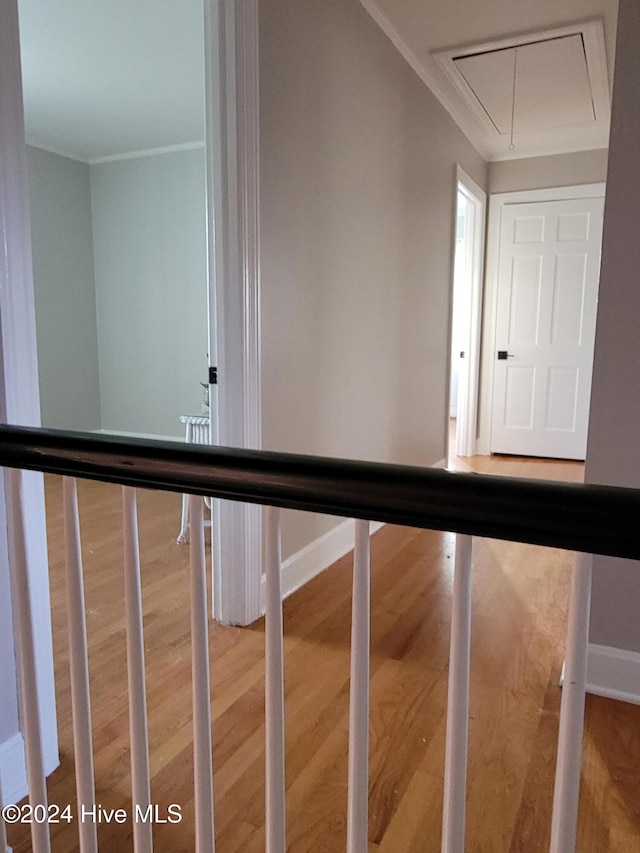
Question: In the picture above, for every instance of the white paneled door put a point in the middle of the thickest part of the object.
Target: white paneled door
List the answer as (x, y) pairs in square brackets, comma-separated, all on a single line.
[(548, 277)]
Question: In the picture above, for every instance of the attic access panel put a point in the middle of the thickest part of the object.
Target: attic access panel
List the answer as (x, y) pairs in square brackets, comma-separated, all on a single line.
[(561, 79), (551, 83)]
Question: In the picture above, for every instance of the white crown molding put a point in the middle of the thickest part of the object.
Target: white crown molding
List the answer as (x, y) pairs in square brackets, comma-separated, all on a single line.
[(44, 146), (146, 152), (593, 139), (470, 130), (113, 158)]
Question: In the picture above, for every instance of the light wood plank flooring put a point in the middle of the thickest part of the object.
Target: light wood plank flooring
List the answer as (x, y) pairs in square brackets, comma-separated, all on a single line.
[(520, 607)]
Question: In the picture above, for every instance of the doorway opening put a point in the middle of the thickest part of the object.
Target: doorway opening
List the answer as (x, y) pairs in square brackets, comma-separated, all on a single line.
[(117, 197), (466, 315), (144, 204)]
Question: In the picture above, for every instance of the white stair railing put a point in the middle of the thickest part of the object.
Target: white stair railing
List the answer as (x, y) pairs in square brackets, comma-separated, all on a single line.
[(567, 784), (565, 807), (23, 628), (202, 761), (274, 689), (358, 783), (79, 668), (455, 764), (139, 738)]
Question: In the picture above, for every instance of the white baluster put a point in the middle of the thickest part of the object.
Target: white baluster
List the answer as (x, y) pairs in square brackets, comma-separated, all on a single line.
[(203, 768), (274, 698), (140, 784), (23, 627), (358, 790), (455, 768), (79, 666), (567, 784)]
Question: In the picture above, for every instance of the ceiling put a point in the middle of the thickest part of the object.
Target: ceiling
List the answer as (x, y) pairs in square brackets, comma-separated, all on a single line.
[(106, 79)]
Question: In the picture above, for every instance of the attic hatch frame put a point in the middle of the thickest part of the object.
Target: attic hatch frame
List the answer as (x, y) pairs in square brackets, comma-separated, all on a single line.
[(592, 35)]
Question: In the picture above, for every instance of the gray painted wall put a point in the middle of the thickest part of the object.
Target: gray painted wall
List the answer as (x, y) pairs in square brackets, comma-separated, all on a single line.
[(151, 293), (558, 170), (122, 336), (61, 235), (612, 452), (358, 187)]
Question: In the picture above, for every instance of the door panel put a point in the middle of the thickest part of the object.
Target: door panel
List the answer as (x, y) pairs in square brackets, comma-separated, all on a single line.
[(567, 309), (562, 397), (518, 413), (545, 327), (524, 301)]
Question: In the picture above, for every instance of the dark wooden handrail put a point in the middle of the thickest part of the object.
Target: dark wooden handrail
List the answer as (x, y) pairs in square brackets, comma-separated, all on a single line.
[(594, 519)]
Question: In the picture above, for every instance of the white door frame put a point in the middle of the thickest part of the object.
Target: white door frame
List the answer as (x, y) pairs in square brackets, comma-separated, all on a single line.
[(497, 202), (233, 229), (467, 413), (19, 396)]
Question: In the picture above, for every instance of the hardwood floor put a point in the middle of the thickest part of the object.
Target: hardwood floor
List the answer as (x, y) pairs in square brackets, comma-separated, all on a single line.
[(519, 611)]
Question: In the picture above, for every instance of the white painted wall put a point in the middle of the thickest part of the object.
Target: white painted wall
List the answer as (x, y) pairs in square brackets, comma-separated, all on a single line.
[(149, 244), (613, 454), (358, 190), (62, 246)]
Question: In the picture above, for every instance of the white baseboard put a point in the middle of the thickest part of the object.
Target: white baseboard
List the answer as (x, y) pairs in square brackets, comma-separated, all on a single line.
[(13, 770), (305, 564), (146, 435), (613, 673)]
